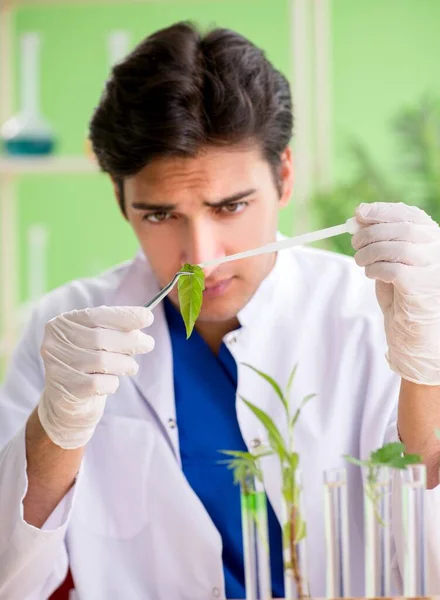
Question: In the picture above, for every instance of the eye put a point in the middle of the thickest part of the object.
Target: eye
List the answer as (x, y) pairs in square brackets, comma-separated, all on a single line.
[(234, 207), (158, 217)]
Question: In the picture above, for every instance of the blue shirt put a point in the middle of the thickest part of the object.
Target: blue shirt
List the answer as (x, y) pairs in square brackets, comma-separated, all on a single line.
[(205, 390)]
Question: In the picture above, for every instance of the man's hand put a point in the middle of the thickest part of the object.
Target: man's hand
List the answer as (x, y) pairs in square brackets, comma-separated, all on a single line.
[(399, 246), (84, 353)]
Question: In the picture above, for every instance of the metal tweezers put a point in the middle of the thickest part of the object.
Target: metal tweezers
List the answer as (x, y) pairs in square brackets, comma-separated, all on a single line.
[(165, 290)]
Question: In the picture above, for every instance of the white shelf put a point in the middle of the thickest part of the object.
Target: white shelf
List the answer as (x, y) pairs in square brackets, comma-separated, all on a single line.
[(47, 165)]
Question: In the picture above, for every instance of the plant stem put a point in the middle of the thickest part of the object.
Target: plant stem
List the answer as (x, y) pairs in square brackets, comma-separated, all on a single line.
[(294, 555), (375, 497)]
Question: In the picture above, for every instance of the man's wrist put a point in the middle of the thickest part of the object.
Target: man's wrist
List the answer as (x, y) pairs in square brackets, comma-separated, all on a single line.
[(418, 418)]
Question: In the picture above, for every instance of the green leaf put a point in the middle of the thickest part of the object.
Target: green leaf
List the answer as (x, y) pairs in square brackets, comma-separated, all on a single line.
[(272, 382), (243, 469), (293, 460), (190, 289), (298, 411), (286, 534), (355, 461), (296, 494), (387, 453), (242, 472), (238, 453), (290, 381), (262, 452), (275, 438), (437, 433), (300, 529), (244, 464), (288, 485)]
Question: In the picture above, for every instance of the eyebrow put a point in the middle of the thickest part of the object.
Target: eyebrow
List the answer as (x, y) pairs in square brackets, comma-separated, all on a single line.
[(165, 207)]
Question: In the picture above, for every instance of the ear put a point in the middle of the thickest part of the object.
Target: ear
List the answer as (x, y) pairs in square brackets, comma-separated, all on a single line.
[(118, 191), (286, 172)]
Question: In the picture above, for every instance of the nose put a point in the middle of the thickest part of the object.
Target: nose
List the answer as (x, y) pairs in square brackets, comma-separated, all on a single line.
[(201, 245)]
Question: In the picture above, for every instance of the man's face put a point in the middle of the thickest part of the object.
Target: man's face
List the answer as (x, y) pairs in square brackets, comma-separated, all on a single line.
[(193, 210)]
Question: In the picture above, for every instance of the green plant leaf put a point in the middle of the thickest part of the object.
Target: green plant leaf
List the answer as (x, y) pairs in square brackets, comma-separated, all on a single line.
[(300, 529), (290, 381), (242, 473), (190, 289), (275, 438), (243, 467), (244, 464), (298, 411), (272, 382), (256, 455), (296, 495), (355, 461), (293, 460), (391, 455), (288, 475), (437, 434), (286, 534), (262, 452), (238, 454), (388, 452)]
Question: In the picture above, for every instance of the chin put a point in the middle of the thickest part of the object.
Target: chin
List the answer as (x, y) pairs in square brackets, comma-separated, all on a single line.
[(217, 317), (220, 310)]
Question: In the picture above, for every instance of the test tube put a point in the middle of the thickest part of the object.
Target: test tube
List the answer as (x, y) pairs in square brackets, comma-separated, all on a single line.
[(247, 498), (302, 545), (414, 530), (377, 526), (264, 579), (336, 533), (295, 562), (255, 540), (289, 583)]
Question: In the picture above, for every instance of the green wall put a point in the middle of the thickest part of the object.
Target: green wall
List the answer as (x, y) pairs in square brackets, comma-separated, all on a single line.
[(386, 55)]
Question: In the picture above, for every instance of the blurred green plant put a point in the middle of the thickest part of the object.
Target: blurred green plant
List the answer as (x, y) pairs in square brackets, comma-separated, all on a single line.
[(416, 179)]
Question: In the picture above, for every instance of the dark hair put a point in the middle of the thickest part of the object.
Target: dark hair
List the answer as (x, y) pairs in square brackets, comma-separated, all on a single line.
[(178, 91)]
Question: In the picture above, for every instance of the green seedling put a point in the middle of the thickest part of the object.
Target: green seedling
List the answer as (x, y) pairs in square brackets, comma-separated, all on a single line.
[(391, 455), (246, 470), (244, 466), (190, 290), (294, 529)]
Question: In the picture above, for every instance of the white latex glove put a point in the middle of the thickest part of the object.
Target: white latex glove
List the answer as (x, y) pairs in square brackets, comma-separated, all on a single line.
[(399, 246), (84, 353)]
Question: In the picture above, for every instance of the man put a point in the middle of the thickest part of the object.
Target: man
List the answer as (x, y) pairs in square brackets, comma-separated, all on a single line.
[(110, 464)]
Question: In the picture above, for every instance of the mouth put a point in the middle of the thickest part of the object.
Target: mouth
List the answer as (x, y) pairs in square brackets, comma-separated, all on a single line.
[(216, 288)]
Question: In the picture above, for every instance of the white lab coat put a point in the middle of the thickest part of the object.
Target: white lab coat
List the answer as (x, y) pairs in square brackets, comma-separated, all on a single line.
[(131, 527)]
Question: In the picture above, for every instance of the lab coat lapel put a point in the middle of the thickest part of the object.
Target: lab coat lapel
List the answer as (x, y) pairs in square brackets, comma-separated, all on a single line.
[(154, 379)]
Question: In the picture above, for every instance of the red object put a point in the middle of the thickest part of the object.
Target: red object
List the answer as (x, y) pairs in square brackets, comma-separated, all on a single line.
[(62, 593)]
